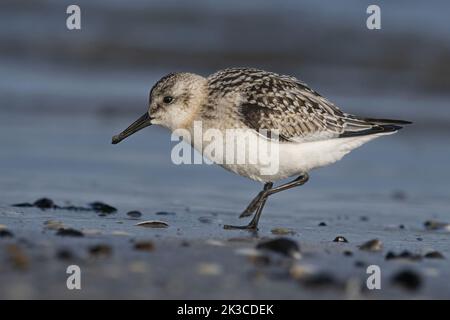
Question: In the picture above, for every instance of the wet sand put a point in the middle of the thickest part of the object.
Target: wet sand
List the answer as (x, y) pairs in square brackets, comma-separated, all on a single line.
[(366, 196), (65, 94)]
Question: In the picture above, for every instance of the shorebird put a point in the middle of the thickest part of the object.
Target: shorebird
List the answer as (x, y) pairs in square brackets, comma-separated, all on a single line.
[(311, 132)]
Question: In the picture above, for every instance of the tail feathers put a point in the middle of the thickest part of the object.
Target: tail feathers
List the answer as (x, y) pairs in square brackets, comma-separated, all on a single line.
[(385, 128), (378, 126), (387, 121)]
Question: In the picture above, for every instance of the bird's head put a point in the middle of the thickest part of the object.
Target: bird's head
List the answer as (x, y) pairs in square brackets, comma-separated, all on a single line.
[(173, 103)]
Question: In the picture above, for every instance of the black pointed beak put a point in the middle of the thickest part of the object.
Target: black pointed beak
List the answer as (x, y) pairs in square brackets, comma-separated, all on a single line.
[(139, 124)]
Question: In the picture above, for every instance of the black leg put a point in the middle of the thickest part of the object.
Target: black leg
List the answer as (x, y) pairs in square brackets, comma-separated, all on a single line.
[(253, 206), (260, 200)]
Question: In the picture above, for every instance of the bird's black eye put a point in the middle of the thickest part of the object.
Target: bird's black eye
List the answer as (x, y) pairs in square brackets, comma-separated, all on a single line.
[(167, 99)]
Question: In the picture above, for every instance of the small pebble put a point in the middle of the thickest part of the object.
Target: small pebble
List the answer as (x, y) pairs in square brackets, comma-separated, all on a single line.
[(69, 232), (407, 279), (401, 226), (206, 220), (64, 254), (360, 264), (153, 224), (282, 246), (44, 203), (101, 207), (4, 233), (419, 239), (372, 245), (100, 250), (134, 214), (434, 255), (364, 218), (348, 253), (436, 225), (282, 231), (185, 243), (298, 272), (18, 257), (399, 195), (322, 224), (144, 246), (340, 239), (209, 269), (53, 225)]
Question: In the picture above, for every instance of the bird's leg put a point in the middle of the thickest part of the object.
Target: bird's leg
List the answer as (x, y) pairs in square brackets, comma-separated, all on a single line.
[(261, 198), (301, 180), (253, 206), (259, 201)]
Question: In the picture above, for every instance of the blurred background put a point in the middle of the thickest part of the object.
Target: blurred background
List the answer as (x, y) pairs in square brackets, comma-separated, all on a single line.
[(65, 93)]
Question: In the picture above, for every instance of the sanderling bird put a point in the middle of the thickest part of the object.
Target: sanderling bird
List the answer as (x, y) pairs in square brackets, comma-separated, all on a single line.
[(311, 131)]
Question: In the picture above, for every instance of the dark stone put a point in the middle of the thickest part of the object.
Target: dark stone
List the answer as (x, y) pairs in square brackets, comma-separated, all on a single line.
[(348, 253), (44, 203), (407, 279), (434, 255), (102, 207), (185, 243), (144, 246), (360, 264), (322, 224), (205, 220), (282, 246), (364, 218), (153, 224), (100, 250), (69, 232), (134, 214), (6, 233), (435, 225), (64, 254), (372, 245), (340, 239), (399, 195)]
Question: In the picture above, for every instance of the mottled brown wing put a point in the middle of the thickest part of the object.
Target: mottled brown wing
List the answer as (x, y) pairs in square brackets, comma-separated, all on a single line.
[(298, 113)]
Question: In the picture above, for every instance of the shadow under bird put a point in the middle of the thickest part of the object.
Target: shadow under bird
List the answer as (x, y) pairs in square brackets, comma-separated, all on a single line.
[(309, 131)]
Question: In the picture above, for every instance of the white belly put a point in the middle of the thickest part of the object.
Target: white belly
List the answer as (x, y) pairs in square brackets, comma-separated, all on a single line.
[(284, 159)]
